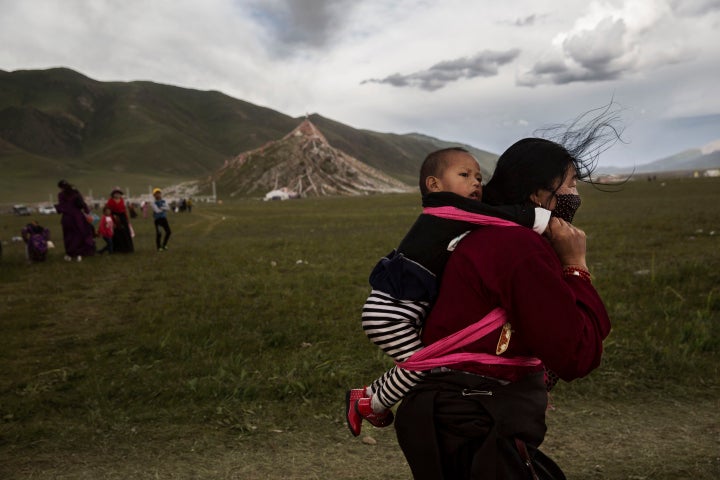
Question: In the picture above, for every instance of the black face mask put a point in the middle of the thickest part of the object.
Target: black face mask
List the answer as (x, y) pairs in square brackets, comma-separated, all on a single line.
[(567, 205)]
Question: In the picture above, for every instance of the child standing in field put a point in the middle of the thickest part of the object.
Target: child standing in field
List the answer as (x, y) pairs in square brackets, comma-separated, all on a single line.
[(404, 283), (106, 229), (160, 208), (36, 240)]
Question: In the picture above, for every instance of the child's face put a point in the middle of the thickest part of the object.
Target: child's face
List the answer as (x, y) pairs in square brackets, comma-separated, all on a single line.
[(106, 212), (157, 195), (461, 176)]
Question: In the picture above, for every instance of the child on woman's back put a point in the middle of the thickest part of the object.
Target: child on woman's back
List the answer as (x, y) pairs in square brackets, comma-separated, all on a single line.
[(404, 283)]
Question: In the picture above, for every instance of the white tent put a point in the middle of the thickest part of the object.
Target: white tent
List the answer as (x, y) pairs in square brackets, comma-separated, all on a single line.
[(280, 194)]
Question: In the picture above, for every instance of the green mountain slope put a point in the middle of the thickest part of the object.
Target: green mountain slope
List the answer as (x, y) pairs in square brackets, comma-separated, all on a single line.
[(58, 123)]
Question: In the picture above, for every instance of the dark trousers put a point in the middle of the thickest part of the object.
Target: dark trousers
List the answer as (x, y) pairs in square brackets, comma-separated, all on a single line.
[(459, 426), (108, 245), (161, 223)]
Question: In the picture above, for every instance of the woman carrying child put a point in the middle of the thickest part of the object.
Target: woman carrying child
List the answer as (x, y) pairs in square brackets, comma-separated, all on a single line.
[(404, 283), (474, 416)]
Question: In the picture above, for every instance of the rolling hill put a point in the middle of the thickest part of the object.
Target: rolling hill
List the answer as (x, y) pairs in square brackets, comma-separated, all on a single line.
[(58, 123), (688, 161)]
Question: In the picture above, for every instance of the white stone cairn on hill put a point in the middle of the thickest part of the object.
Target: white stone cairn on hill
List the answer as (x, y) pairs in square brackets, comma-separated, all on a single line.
[(301, 164)]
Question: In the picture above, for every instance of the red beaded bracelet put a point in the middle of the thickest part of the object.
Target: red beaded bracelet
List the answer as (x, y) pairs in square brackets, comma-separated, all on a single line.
[(577, 272)]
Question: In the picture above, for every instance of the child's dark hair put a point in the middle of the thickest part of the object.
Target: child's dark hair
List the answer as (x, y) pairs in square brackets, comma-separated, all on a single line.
[(434, 165)]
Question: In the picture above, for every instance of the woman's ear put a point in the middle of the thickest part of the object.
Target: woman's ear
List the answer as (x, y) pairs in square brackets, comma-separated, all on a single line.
[(433, 184), (536, 199)]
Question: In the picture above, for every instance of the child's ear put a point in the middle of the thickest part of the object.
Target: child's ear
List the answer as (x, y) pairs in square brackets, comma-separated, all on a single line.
[(433, 184)]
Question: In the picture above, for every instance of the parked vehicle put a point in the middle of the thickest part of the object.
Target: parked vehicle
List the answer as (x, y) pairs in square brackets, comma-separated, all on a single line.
[(47, 210), (21, 210)]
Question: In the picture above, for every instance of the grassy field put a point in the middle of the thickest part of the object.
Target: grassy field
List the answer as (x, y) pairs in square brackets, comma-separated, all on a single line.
[(227, 357)]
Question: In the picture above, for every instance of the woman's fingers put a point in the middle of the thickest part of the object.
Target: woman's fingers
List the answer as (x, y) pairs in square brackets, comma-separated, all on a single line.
[(568, 241)]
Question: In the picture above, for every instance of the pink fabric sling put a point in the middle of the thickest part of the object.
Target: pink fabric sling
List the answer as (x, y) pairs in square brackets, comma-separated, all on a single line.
[(454, 213), (440, 353)]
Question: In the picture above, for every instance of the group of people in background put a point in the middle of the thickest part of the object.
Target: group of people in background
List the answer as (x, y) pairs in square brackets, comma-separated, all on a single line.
[(79, 224)]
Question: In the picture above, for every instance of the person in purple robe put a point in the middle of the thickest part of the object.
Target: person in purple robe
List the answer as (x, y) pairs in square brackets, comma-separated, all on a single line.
[(78, 234)]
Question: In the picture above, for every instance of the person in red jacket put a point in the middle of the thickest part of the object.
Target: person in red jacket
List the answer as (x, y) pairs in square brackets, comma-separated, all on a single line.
[(123, 232), (475, 418), (106, 229)]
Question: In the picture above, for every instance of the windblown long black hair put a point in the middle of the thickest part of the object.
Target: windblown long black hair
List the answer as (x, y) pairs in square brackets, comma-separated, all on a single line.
[(538, 162)]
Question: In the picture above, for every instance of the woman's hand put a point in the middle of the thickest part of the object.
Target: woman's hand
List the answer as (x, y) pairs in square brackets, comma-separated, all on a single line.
[(568, 242)]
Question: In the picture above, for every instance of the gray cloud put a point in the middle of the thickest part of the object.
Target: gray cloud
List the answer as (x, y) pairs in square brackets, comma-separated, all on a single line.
[(526, 21), (694, 8), (561, 74), (531, 20), (482, 64), (308, 23), (589, 56), (596, 49), (550, 67)]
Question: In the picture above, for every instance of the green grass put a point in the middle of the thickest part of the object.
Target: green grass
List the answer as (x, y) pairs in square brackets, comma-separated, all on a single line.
[(228, 356)]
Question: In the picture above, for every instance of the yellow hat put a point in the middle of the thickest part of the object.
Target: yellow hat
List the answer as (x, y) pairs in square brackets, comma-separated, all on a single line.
[(156, 190)]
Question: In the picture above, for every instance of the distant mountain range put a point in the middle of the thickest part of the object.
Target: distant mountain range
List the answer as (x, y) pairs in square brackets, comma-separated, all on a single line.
[(691, 160), (58, 123)]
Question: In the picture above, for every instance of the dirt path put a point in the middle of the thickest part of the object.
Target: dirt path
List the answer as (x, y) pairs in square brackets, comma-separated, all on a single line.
[(590, 440)]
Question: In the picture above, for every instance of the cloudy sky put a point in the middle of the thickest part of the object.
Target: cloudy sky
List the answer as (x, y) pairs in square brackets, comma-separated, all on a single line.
[(484, 73)]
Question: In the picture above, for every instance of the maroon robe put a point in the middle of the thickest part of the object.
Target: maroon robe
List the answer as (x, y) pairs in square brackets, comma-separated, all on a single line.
[(78, 234)]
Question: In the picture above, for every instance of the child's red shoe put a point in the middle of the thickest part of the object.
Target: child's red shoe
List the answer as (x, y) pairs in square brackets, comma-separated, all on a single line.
[(364, 410), (354, 420)]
